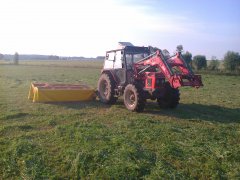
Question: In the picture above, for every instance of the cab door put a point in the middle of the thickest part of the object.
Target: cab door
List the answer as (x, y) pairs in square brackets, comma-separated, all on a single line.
[(119, 70), (109, 60)]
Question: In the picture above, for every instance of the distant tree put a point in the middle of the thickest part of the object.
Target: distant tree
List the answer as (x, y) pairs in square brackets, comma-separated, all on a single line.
[(214, 58), (213, 65), (100, 57), (232, 61), (199, 62), (53, 57), (1, 56), (16, 58), (187, 57), (180, 48)]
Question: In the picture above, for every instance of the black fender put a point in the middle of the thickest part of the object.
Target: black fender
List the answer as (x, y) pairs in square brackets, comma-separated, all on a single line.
[(110, 73)]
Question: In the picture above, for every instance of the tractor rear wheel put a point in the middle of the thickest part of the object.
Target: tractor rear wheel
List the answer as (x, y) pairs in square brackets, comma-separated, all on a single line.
[(133, 98), (106, 86), (170, 99)]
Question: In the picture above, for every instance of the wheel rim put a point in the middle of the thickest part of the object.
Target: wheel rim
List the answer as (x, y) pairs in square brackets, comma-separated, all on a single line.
[(104, 89), (130, 98)]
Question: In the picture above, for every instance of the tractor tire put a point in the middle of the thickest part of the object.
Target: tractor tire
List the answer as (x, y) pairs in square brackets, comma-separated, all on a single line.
[(106, 86), (170, 99), (133, 98)]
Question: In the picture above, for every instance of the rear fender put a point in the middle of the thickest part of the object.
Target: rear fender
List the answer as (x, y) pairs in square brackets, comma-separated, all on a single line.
[(110, 73)]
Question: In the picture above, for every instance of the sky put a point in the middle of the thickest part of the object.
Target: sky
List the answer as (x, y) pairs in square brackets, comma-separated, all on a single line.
[(91, 27)]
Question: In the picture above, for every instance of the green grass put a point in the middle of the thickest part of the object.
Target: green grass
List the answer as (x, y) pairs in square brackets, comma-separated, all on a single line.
[(200, 139)]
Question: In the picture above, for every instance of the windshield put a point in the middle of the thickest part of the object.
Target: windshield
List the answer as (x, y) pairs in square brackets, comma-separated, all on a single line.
[(139, 56), (133, 58)]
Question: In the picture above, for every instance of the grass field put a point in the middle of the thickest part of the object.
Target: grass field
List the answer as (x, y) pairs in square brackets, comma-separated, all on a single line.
[(198, 140)]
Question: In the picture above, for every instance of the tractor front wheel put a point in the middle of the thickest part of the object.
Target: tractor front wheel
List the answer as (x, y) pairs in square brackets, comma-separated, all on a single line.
[(170, 99), (106, 86), (133, 98)]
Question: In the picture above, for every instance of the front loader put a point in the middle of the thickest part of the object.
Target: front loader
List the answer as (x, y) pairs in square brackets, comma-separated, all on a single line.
[(139, 73)]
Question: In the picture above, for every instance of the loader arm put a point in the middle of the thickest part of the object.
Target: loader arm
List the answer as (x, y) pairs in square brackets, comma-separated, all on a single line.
[(175, 70)]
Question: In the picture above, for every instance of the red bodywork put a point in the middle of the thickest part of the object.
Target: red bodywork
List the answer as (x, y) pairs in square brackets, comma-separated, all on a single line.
[(156, 68)]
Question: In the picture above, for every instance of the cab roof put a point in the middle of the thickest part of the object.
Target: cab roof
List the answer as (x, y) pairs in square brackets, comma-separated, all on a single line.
[(133, 49)]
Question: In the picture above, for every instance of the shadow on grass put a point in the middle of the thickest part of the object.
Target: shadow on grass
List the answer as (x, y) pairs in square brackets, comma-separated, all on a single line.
[(81, 105), (194, 112), (13, 116)]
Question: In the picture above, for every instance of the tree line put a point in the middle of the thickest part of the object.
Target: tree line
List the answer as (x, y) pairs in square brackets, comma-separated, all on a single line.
[(231, 62)]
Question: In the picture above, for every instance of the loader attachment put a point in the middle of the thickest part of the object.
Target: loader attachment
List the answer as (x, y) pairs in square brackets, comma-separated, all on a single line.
[(174, 68), (183, 74)]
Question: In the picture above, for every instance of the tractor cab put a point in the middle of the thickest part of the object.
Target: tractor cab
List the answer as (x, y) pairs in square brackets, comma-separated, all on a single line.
[(120, 62), (132, 54), (125, 58)]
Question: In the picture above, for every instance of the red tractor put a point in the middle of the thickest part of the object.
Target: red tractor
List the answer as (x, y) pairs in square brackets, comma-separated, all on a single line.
[(141, 73)]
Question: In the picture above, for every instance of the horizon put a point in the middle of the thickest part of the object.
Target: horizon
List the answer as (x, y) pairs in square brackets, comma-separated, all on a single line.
[(89, 29)]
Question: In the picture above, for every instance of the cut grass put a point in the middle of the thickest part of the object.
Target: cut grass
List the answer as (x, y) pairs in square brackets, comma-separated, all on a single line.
[(199, 139)]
